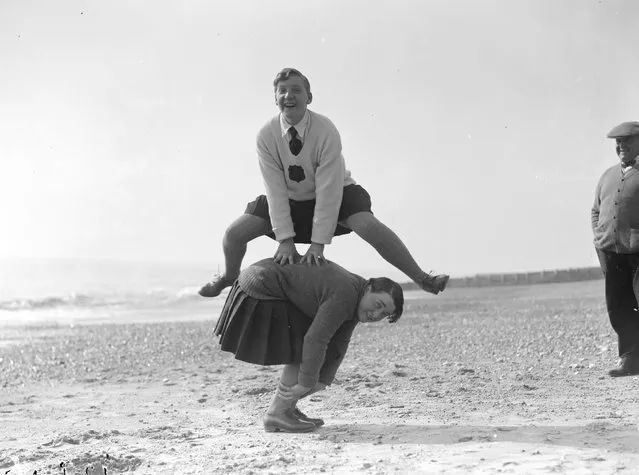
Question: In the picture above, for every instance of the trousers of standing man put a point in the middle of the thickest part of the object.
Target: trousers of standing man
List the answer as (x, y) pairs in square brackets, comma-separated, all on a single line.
[(621, 273)]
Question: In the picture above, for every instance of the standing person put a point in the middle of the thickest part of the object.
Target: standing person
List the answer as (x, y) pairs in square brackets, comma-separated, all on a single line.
[(310, 195), (302, 317), (615, 224)]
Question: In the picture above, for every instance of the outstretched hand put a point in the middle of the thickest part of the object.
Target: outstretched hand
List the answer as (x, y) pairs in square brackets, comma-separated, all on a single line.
[(314, 255), (286, 253)]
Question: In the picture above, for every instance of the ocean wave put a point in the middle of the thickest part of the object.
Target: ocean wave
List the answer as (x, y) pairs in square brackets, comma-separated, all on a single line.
[(150, 299)]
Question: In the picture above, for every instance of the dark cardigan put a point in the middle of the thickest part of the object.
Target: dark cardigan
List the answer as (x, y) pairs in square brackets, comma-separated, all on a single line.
[(328, 294), (615, 212)]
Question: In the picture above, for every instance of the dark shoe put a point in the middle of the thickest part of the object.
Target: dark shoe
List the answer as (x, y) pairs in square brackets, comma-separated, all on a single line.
[(303, 417), (629, 366), (215, 287), (286, 422), (434, 283)]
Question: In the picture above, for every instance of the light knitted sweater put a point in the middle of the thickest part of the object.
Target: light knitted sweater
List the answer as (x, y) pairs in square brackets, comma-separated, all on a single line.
[(328, 295), (615, 212), (317, 172)]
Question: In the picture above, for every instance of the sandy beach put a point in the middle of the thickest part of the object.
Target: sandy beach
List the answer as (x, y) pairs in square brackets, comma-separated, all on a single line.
[(500, 380)]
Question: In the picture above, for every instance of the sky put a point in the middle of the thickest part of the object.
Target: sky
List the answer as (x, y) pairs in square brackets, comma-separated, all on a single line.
[(127, 128)]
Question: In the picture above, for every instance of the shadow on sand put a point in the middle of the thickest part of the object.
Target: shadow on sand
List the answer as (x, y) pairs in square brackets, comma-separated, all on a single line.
[(596, 435)]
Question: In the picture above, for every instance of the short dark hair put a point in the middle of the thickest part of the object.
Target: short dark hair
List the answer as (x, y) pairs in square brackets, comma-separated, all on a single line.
[(286, 73), (384, 284)]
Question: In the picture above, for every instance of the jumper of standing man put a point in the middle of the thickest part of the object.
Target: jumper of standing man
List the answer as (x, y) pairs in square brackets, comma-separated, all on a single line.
[(615, 225), (310, 195)]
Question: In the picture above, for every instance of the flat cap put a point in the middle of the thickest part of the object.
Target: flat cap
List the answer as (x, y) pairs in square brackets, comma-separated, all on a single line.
[(625, 129)]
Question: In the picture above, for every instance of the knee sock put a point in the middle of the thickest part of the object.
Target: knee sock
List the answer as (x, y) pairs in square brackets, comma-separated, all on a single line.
[(280, 403)]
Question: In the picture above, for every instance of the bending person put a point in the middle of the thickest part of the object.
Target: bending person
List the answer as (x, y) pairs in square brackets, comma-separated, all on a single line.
[(301, 317)]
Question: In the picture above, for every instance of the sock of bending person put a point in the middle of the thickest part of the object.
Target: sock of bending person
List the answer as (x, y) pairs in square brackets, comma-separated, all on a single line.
[(288, 378)]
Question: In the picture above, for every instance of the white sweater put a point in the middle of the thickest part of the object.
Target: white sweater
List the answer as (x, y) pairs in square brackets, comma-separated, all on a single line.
[(317, 172)]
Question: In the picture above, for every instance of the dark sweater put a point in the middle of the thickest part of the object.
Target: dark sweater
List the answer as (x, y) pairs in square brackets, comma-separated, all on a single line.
[(328, 295), (615, 212)]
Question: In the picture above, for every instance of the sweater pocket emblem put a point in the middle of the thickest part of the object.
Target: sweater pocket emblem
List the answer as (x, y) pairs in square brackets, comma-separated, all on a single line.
[(296, 173)]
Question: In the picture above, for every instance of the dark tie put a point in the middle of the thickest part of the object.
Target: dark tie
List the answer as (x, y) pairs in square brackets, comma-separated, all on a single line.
[(295, 143)]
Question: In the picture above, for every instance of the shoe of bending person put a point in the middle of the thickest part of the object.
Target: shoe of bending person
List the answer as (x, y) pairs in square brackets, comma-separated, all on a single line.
[(303, 417), (286, 422), (434, 283), (215, 287)]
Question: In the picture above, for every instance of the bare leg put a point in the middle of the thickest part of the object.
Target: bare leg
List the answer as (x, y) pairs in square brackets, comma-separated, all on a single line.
[(243, 230), (386, 243), (392, 249), (289, 374)]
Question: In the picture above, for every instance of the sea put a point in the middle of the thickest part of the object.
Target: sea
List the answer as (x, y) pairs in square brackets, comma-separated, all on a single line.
[(85, 291), (70, 291)]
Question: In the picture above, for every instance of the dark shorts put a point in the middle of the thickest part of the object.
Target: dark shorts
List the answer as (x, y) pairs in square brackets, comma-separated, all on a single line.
[(355, 200)]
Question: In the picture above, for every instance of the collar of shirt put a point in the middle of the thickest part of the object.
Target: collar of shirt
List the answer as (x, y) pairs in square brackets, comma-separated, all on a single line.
[(300, 126), (625, 168)]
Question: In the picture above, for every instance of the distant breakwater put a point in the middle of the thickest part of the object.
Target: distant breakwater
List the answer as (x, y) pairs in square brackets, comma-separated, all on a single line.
[(521, 278)]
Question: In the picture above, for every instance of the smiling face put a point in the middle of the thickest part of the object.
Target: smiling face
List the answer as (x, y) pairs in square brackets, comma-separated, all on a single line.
[(292, 98), (628, 147), (375, 306)]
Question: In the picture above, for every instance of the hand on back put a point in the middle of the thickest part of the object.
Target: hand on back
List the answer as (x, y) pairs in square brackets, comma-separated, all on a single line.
[(286, 253), (314, 255)]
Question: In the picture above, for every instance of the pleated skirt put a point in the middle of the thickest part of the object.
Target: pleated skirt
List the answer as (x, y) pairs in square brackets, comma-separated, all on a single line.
[(263, 332)]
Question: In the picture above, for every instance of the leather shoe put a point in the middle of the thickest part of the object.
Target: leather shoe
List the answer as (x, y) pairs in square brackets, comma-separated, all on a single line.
[(303, 417), (215, 287), (286, 422), (629, 366), (434, 283)]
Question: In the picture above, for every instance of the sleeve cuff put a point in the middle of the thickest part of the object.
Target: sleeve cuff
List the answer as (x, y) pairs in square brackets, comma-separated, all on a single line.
[(283, 233)]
